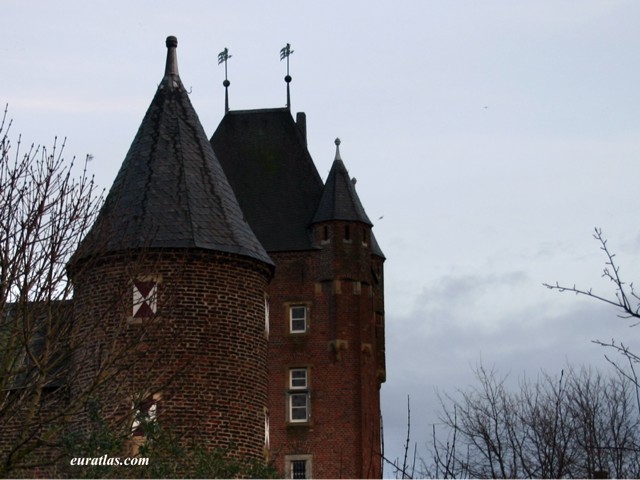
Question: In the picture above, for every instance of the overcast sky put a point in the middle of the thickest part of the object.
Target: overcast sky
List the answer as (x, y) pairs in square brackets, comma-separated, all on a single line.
[(488, 140)]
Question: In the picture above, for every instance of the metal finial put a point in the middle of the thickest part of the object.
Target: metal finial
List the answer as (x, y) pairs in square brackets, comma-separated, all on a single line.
[(171, 67), (172, 41), (223, 56), (286, 52), (337, 142)]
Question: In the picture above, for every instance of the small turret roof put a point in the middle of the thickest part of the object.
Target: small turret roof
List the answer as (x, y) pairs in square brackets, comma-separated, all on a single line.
[(339, 199), (171, 191)]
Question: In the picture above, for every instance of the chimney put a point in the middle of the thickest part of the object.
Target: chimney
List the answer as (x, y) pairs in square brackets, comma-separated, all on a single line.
[(301, 121)]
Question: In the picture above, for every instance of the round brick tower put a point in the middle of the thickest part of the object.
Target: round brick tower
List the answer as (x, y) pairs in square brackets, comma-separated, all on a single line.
[(170, 290)]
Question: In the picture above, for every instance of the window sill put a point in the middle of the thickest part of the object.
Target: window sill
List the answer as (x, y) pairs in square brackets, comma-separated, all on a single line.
[(298, 334), (135, 320), (306, 424)]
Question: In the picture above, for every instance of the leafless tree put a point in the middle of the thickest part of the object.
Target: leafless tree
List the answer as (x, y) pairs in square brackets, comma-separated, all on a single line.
[(579, 424), (44, 211), (46, 208), (626, 300)]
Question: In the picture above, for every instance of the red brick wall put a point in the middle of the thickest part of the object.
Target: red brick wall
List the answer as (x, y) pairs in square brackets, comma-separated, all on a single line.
[(340, 349), (204, 353)]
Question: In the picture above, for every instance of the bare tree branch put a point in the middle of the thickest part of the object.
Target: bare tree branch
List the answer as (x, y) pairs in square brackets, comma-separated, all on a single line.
[(46, 208), (578, 424), (611, 271)]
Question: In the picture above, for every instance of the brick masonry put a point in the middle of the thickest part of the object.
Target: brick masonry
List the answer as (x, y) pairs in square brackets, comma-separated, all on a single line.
[(206, 358), (341, 282), (203, 355)]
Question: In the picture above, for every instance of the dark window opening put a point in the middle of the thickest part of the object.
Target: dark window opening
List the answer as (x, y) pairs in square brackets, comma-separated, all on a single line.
[(298, 469)]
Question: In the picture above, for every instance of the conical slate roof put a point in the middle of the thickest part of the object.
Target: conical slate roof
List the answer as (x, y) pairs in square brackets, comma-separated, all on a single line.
[(339, 199), (171, 191)]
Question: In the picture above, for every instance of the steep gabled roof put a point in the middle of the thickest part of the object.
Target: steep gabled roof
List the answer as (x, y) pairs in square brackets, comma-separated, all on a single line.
[(339, 199), (265, 158), (171, 191)]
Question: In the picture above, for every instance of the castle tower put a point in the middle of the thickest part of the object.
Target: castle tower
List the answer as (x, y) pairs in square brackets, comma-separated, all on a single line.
[(326, 300), (170, 288), (349, 286)]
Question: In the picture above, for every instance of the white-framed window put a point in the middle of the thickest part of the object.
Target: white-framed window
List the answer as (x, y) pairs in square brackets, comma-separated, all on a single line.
[(298, 318), (298, 395), (298, 466)]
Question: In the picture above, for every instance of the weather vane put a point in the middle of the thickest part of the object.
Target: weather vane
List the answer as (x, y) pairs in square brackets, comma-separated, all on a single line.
[(223, 56), (286, 52)]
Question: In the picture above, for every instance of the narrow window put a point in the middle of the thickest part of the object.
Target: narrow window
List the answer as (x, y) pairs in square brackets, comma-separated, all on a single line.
[(145, 414), (298, 466), (298, 319), (266, 428), (266, 316), (298, 395), (299, 469), (326, 233), (347, 233)]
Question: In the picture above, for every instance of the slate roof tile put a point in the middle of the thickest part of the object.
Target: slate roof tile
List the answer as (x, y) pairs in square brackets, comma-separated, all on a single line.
[(264, 154), (171, 191), (339, 199)]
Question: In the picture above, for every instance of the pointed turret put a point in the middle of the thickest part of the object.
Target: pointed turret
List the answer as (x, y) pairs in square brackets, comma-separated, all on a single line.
[(339, 199), (171, 191), (173, 279)]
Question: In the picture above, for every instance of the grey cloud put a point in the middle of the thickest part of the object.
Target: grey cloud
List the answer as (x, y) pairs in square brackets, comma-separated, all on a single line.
[(548, 334)]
